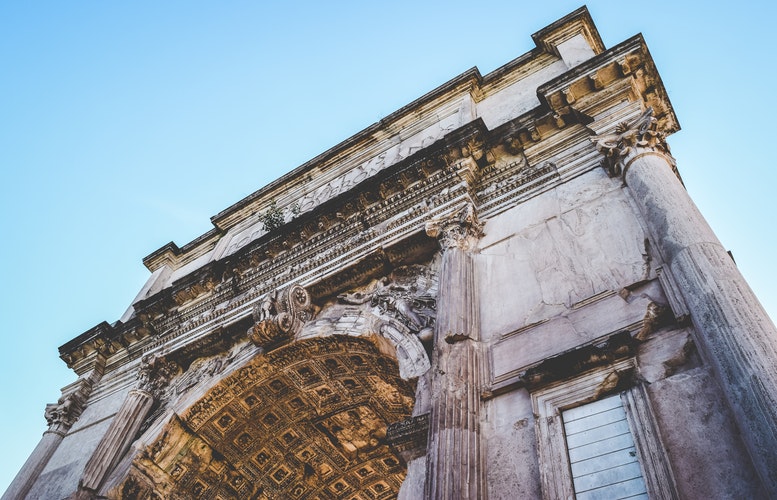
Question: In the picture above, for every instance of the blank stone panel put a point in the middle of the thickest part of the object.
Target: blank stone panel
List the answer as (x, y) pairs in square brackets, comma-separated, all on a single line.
[(602, 454)]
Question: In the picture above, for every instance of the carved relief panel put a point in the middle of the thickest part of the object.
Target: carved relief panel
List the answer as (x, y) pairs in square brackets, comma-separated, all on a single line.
[(400, 306), (307, 420)]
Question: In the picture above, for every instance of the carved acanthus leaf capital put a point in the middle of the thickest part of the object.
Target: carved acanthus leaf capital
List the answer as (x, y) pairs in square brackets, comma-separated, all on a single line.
[(456, 229), (64, 413), (629, 140), (155, 373)]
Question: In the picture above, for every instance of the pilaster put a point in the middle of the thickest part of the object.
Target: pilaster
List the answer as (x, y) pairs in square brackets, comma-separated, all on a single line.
[(454, 469), (154, 375), (60, 416), (734, 332)]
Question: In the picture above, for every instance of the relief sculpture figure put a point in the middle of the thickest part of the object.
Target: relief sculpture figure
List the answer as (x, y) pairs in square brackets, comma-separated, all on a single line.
[(405, 295)]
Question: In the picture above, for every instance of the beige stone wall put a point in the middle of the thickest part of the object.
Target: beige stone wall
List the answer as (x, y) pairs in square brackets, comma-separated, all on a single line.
[(475, 242), (562, 271)]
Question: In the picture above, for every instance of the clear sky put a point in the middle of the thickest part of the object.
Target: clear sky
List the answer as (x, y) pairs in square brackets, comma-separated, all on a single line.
[(125, 125)]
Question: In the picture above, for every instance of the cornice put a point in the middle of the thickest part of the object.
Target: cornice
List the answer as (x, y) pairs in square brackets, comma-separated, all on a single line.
[(370, 227), (574, 23), (469, 84), (626, 71), (318, 248)]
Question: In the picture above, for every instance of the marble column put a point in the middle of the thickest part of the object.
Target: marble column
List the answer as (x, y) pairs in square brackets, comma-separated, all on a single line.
[(154, 374), (60, 416), (733, 330), (35, 464), (454, 469)]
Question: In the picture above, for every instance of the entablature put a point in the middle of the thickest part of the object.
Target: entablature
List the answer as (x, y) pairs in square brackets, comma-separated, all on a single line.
[(395, 137), (625, 72), (375, 222)]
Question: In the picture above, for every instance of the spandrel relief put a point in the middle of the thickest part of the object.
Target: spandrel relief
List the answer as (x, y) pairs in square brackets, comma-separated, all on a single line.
[(406, 295), (210, 368), (400, 306)]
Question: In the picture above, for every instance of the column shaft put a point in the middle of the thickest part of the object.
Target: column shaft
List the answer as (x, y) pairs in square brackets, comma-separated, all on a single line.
[(34, 465), (454, 469), (732, 329), (117, 438)]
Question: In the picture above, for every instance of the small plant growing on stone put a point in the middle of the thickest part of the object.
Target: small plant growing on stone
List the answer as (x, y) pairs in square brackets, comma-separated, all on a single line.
[(272, 218)]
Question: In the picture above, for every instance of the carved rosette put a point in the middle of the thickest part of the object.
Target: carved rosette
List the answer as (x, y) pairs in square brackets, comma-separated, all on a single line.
[(280, 316), (457, 229), (629, 141)]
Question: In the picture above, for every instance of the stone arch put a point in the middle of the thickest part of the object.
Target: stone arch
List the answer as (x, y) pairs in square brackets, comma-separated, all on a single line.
[(307, 420)]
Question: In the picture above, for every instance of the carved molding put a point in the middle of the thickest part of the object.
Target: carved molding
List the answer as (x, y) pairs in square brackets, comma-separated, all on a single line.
[(456, 230), (280, 315), (629, 141), (384, 209)]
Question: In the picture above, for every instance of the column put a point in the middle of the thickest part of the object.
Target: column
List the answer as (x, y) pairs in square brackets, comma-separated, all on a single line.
[(454, 468), (35, 464), (733, 330), (60, 416), (154, 375)]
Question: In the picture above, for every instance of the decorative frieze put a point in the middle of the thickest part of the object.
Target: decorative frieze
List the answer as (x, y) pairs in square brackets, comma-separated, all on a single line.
[(388, 206)]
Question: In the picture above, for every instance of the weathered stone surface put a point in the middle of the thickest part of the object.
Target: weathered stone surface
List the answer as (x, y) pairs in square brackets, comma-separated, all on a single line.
[(704, 467), (511, 445), (465, 260), (735, 333)]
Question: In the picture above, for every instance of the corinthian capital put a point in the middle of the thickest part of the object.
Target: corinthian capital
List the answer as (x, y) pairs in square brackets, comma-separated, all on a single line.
[(629, 141), (457, 229), (155, 373)]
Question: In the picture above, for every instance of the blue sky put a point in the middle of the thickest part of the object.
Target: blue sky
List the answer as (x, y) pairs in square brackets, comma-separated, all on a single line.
[(124, 125)]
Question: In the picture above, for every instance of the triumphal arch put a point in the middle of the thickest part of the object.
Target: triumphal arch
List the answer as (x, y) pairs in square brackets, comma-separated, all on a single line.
[(501, 290)]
